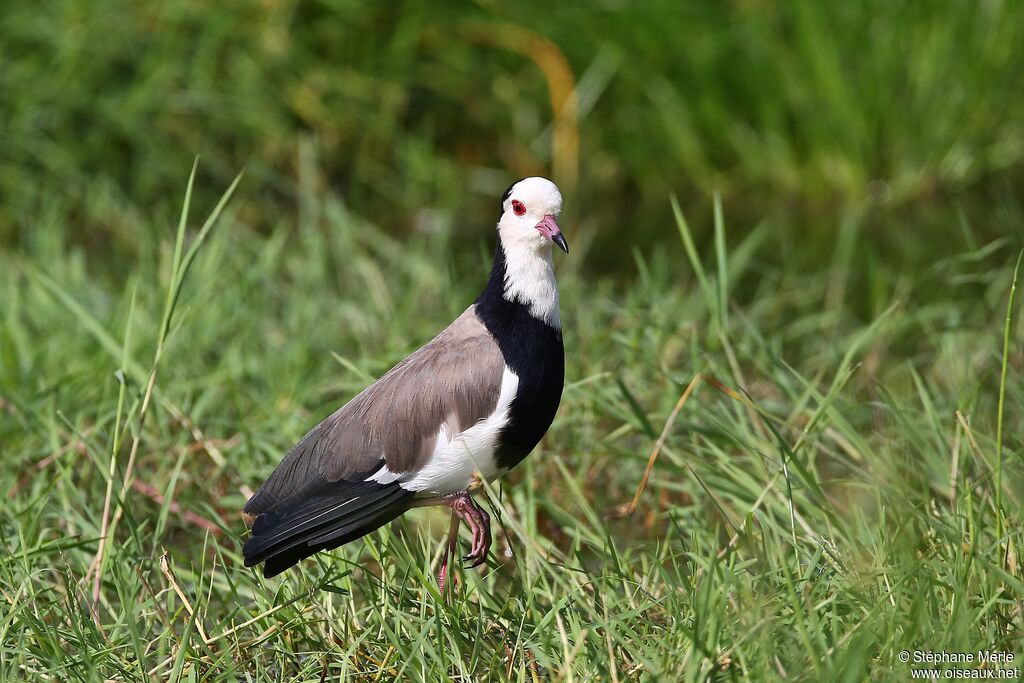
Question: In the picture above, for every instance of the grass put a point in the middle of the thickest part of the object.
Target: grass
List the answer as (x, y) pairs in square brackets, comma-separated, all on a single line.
[(807, 214), (825, 500)]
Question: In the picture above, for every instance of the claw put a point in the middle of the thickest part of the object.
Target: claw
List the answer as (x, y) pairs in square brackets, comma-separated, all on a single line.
[(474, 561)]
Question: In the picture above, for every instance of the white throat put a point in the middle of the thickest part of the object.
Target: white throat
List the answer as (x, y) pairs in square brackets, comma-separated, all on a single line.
[(530, 279)]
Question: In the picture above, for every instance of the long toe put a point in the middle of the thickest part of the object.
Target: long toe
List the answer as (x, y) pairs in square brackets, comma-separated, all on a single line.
[(481, 548), (477, 554)]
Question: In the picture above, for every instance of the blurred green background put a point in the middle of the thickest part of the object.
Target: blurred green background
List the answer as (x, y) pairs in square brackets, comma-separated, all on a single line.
[(849, 178), (897, 115)]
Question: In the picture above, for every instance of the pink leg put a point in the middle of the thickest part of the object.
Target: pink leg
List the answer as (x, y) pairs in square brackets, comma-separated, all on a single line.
[(479, 523), (476, 518), (453, 537)]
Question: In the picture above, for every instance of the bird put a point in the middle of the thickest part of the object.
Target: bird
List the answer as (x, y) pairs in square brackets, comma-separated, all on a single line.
[(468, 406)]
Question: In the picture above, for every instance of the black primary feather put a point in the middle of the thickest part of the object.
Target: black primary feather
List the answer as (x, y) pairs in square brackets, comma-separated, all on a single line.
[(342, 512)]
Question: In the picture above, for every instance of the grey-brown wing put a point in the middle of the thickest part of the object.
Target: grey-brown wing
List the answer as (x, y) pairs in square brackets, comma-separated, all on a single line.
[(454, 381)]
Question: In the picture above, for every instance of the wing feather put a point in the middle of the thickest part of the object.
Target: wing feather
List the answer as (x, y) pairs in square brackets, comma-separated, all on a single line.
[(454, 381)]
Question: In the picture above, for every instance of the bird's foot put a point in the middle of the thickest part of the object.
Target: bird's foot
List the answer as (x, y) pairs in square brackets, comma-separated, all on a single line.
[(453, 537), (442, 576), (479, 522)]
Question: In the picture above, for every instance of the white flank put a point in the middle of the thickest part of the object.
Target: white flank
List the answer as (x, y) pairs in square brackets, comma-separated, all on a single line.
[(383, 475), (456, 460)]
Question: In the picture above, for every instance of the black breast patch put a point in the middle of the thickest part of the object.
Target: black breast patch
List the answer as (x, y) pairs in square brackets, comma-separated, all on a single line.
[(532, 350)]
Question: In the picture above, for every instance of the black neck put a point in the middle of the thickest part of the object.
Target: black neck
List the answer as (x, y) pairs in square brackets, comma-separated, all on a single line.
[(492, 299)]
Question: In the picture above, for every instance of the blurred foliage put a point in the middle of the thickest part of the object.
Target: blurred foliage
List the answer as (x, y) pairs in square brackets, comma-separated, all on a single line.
[(417, 114)]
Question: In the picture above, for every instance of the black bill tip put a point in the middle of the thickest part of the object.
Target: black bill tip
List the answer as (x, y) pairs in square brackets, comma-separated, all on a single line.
[(559, 239)]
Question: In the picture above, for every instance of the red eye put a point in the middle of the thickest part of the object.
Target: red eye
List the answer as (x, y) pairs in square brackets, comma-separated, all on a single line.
[(518, 207)]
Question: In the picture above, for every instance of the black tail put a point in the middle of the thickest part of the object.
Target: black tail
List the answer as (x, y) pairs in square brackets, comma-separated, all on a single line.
[(284, 535)]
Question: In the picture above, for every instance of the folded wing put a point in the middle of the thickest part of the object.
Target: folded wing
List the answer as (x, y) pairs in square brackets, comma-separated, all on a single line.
[(325, 492)]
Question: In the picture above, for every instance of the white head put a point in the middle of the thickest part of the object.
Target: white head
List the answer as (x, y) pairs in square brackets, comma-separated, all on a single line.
[(527, 229), (529, 210)]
